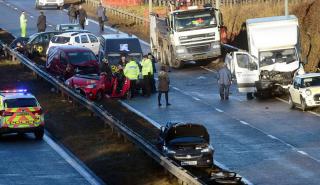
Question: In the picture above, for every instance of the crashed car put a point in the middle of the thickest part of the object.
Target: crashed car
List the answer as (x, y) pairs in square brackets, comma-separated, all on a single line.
[(186, 143), (68, 27)]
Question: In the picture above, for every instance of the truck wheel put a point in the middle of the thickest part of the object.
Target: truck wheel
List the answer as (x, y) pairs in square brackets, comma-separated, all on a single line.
[(249, 96), (172, 59), (303, 105), (39, 134), (291, 104)]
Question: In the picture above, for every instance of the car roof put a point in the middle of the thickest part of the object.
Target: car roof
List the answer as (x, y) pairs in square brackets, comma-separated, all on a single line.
[(72, 33), (68, 24), (113, 44), (308, 75), (72, 48), (7, 96), (118, 36)]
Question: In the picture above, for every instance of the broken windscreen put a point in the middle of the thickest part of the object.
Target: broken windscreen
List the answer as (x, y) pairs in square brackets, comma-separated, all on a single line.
[(277, 56)]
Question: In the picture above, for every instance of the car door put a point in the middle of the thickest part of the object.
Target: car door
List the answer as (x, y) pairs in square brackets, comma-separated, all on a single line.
[(295, 90), (62, 64), (85, 41), (246, 70), (94, 43)]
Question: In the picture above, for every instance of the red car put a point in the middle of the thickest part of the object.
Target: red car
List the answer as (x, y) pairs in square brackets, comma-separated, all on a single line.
[(66, 61), (93, 87)]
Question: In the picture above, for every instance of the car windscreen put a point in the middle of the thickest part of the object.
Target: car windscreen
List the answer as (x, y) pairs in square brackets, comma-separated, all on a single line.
[(69, 27), (310, 82), (60, 39), (195, 20), (20, 102), (187, 130), (277, 56), (80, 57)]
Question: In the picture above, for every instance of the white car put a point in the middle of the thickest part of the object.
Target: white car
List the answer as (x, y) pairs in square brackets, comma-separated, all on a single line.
[(83, 39), (305, 91), (49, 3)]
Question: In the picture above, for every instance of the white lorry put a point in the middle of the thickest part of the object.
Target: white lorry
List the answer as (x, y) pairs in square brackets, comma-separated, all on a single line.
[(186, 34), (273, 58)]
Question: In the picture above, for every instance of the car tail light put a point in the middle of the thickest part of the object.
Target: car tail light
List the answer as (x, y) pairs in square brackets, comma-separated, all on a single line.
[(37, 112), (4, 113)]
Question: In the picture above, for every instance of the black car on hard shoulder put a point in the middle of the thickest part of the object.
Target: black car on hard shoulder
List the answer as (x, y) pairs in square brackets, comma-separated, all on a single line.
[(35, 45), (186, 143)]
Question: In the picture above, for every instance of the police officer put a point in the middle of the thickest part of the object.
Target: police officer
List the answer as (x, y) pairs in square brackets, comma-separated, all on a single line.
[(42, 22), (132, 71), (153, 82), (23, 24), (147, 73)]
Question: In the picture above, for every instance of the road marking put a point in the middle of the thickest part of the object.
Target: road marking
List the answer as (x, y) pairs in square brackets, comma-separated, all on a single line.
[(175, 88), (311, 112), (272, 137), (195, 98), (302, 152), (201, 77), (71, 161), (31, 16), (211, 70), (16, 8), (50, 25), (245, 123), (219, 110)]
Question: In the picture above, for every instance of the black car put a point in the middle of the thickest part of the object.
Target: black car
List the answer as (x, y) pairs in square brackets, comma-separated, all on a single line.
[(113, 45), (186, 143), (36, 44)]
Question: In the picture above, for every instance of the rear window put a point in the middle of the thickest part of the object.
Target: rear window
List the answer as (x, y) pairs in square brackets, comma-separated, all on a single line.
[(20, 102), (79, 57), (60, 39)]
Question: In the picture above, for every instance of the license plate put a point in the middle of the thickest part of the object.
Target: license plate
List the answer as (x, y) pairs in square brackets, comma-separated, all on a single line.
[(191, 163)]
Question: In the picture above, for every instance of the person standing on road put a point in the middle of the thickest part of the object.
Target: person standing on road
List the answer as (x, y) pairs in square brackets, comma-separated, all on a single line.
[(82, 16), (132, 71), (147, 73), (224, 81), (163, 85), (153, 82), (23, 24), (72, 13), (101, 13), (42, 22)]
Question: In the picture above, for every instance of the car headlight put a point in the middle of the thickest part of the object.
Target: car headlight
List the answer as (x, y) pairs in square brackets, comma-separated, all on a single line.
[(91, 86), (308, 92), (168, 151), (207, 150), (180, 50)]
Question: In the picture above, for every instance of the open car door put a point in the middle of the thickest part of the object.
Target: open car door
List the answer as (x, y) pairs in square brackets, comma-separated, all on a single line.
[(246, 70)]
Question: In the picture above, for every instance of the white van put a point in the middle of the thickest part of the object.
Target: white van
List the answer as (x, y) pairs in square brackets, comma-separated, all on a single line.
[(49, 3)]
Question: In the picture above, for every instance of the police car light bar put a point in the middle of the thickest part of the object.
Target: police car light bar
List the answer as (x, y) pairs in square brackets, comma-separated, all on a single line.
[(14, 91)]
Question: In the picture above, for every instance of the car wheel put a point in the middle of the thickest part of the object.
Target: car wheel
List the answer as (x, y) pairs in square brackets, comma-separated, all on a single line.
[(291, 104), (39, 134), (249, 96), (303, 104)]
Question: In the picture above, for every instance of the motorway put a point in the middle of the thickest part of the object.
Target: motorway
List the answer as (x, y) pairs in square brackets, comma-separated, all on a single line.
[(263, 140)]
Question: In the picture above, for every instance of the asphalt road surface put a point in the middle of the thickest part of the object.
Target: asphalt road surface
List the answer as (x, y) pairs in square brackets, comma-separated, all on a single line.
[(263, 140)]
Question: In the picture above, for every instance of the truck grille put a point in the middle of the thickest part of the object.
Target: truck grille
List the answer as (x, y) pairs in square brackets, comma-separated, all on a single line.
[(198, 49)]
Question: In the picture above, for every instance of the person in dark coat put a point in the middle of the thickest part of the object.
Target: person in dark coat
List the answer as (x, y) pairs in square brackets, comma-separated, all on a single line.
[(72, 13), (163, 85), (153, 82), (82, 15), (42, 22), (224, 81), (101, 13)]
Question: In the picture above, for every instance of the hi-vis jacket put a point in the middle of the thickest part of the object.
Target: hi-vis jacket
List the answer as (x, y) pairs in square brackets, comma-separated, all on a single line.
[(132, 70)]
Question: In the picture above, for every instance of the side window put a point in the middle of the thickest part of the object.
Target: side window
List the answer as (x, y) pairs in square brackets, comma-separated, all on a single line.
[(84, 39), (77, 39), (93, 39), (63, 58), (38, 39), (244, 61), (45, 38)]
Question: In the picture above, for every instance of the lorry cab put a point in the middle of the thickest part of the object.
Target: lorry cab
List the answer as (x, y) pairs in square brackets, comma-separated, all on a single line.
[(113, 45)]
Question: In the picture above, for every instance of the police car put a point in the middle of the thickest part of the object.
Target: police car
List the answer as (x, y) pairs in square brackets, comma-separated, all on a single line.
[(20, 112)]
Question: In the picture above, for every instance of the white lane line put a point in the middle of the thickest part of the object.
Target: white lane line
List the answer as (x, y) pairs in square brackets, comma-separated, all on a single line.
[(195, 98), (303, 153), (175, 88), (16, 8), (71, 161), (245, 123), (210, 70), (31, 16), (272, 137), (219, 110), (49, 25), (311, 112), (8, 4), (154, 123)]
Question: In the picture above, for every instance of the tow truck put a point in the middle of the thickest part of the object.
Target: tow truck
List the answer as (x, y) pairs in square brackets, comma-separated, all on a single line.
[(20, 112)]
